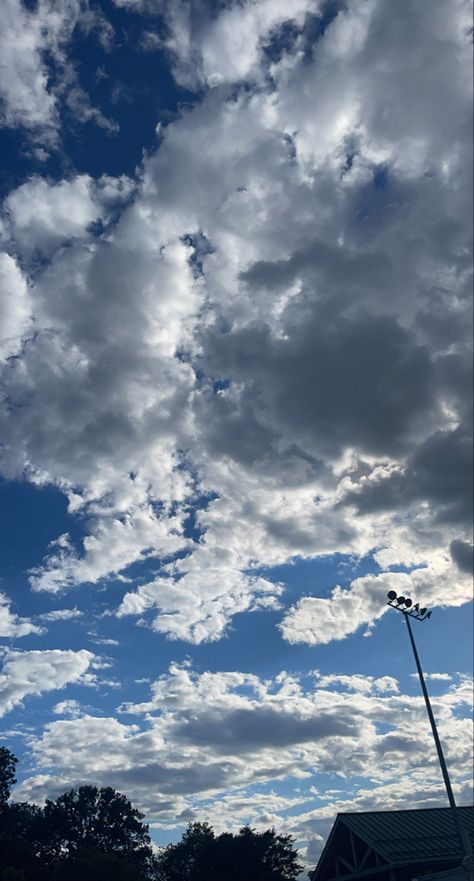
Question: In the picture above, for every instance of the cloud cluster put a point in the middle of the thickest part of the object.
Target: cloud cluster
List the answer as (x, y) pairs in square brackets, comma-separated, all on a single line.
[(27, 673), (61, 615), (317, 620), (44, 215), (14, 306), (261, 351), (11, 625), (256, 350), (210, 49), (36, 73), (197, 606), (215, 746)]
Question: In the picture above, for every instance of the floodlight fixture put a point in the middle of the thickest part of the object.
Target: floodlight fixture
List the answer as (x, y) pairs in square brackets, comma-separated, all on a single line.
[(407, 607)]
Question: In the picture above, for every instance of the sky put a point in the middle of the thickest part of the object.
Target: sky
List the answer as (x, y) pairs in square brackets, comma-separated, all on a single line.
[(235, 355)]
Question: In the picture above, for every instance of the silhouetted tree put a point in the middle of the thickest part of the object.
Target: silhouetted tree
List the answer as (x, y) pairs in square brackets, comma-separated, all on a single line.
[(8, 764), (23, 842), (200, 855), (12, 874), (183, 861), (91, 864), (91, 834), (100, 818)]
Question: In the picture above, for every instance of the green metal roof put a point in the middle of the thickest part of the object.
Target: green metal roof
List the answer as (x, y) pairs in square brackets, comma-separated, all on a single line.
[(425, 837), (410, 835)]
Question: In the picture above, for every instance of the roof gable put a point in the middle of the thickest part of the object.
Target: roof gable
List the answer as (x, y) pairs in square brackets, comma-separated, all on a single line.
[(391, 839)]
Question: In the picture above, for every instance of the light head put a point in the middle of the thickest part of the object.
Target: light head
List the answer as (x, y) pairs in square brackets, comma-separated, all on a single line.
[(405, 605)]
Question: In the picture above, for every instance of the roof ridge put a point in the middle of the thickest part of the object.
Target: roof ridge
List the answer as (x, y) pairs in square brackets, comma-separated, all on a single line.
[(407, 810)]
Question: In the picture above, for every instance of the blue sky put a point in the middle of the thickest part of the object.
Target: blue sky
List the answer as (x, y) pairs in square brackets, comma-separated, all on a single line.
[(235, 355)]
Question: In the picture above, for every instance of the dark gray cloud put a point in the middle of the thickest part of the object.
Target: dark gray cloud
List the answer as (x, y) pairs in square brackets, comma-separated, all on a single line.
[(439, 472), (330, 382), (188, 778), (332, 264), (248, 730), (463, 555), (234, 425)]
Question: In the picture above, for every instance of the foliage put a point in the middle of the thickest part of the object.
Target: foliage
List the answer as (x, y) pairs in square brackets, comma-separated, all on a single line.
[(183, 860), (85, 833), (7, 773), (100, 818), (97, 835), (93, 864), (23, 843), (200, 855)]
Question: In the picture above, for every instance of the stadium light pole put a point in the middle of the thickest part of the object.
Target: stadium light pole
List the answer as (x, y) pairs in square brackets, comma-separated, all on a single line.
[(410, 610)]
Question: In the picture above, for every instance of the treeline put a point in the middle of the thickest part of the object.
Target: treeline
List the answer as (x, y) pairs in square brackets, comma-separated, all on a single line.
[(97, 835)]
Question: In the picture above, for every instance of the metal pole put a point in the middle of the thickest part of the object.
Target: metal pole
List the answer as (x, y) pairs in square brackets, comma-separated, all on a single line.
[(437, 741), (441, 758)]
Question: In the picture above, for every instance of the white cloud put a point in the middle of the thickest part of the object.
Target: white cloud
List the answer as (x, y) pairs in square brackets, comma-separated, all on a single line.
[(30, 96), (44, 214), (197, 606), (278, 324), (11, 625), (223, 47), (111, 547), (61, 614), (440, 677), (105, 641), (229, 47), (34, 672), (356, 682), (70, 708), (210, 745), (24, 83), (15, 306), (317, 620)]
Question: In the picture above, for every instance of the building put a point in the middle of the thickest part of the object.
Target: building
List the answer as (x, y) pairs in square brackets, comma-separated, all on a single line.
[(458, 874), (396, 846)]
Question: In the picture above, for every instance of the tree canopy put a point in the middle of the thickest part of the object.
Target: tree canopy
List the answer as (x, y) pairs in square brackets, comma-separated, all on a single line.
[(100, 818), (201, 855), (7, 773), (94, 865), (96, 834), (85, 833)]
